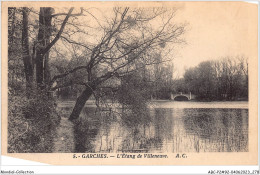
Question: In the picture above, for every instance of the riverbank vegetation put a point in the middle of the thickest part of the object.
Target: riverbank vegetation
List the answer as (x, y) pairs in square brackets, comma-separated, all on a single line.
[(31, 123)]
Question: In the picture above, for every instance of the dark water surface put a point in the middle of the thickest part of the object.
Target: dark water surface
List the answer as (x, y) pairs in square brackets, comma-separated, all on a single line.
[(164, 130)]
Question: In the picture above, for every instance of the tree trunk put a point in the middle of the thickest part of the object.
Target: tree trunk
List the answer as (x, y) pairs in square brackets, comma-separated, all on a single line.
[(28, 67), (48, 32), (42, 59), (81, 101), (11, 24), (11, 27)]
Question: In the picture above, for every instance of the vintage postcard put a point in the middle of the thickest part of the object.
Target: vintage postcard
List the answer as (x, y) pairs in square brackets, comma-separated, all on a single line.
[(130, 83)]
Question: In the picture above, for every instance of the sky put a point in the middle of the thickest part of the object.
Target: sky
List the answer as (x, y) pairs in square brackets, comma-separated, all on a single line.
[(216, 30)]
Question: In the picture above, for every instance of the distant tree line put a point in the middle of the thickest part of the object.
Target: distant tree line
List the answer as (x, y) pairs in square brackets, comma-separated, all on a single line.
[(225, 79)]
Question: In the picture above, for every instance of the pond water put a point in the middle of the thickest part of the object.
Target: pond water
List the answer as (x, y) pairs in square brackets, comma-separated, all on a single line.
[(165, 127)]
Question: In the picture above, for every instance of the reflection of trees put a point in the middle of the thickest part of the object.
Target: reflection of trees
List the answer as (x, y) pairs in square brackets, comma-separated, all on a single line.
[(163, 122), (225, 129), (147, 132), (85, 130), (136, 121), (199, 122), (214, 130), (237, 129)]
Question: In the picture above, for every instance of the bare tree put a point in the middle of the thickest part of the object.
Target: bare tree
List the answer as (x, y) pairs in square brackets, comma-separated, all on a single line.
[(44, 44), (39, 55), (224, 79), (129, 39)]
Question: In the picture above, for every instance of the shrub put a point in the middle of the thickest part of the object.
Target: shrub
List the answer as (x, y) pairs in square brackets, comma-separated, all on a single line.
[(31, 123), (134, 94)]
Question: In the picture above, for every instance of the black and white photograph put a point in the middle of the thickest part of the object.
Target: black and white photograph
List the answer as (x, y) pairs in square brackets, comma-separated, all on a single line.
[(114, 80)]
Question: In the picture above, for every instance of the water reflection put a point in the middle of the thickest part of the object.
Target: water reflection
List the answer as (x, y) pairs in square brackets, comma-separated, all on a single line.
[(222, 130), (163, 130)]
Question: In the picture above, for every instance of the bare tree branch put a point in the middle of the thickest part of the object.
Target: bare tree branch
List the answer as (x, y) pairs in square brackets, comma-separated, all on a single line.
[(65, 14), (67, 73), (59, 33), (76, 43)]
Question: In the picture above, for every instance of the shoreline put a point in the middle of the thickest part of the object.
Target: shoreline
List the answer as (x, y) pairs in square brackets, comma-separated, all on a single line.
[(170, 104)]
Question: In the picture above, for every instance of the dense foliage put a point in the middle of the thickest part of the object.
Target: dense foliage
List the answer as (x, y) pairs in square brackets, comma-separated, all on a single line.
[(225, 79), (31, 123)]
